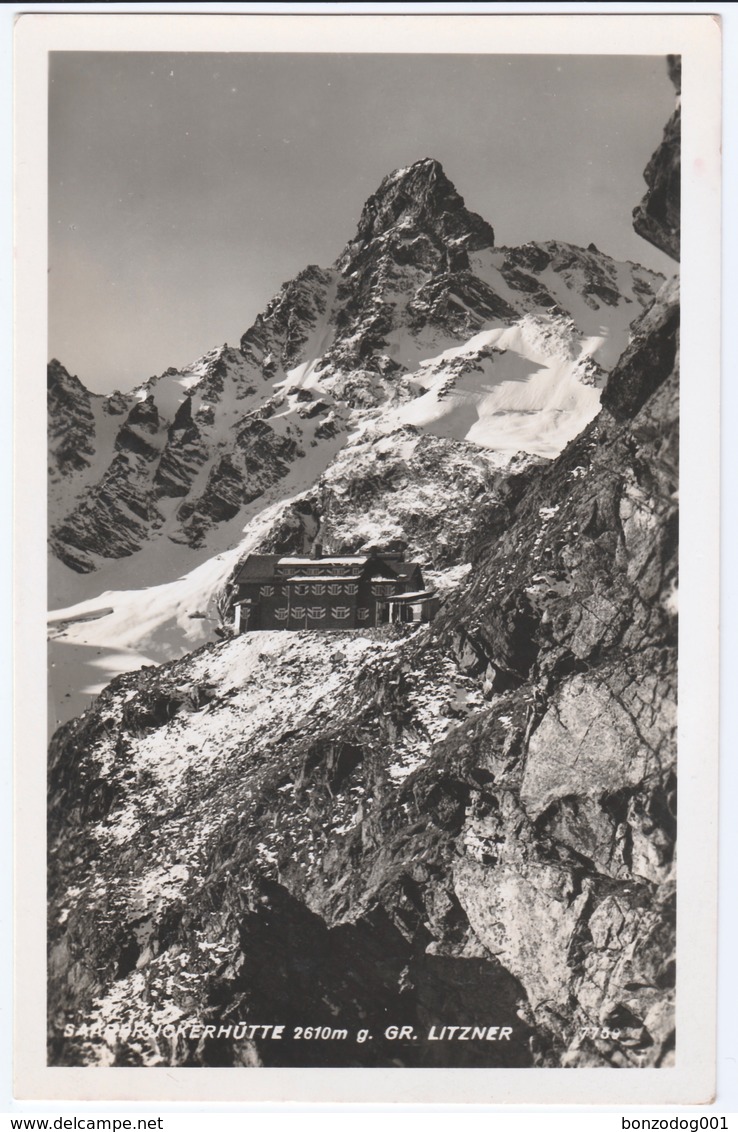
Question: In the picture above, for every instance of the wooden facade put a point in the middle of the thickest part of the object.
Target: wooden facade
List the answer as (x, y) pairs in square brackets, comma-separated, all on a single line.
[(356, 591)]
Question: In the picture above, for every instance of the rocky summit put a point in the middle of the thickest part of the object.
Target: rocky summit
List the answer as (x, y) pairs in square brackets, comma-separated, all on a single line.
[(412, 832)]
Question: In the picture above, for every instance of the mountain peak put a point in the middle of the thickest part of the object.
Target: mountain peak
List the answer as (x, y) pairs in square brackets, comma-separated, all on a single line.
[(428, 169), (420, 198)]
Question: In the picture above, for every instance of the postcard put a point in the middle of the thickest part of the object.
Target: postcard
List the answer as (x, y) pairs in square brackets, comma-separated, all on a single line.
[(366, 535)]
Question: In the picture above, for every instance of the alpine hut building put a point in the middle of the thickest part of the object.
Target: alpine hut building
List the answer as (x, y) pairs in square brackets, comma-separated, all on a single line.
[(347, 591)]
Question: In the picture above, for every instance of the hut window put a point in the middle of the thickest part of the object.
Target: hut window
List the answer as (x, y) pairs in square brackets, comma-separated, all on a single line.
[(298, 612), (316, 612), (363, 614), (341, 612), (318, 589), (351, 589), (302, 591), (266, 591), (280, 614), (333, 590)]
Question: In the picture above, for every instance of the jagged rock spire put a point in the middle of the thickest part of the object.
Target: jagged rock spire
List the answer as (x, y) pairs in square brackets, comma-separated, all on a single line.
[(420, 198)]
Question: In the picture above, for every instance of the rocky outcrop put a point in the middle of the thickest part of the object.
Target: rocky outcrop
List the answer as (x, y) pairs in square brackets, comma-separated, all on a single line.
[(71, 422), (260, 458), (422, 494), (656, 218), (277, 338), (116, 515), (571, 877), (184, 454), (650, 358)]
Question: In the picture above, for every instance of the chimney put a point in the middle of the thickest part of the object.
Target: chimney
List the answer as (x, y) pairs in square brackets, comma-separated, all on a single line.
[(317, 551)]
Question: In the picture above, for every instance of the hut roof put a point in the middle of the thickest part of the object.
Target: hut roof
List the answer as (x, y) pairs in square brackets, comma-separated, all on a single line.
[(324, 578), (328, 560), (258, 568), (261, 567)]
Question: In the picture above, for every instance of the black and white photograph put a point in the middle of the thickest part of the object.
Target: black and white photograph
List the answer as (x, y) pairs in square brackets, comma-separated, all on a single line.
[(364, 559)]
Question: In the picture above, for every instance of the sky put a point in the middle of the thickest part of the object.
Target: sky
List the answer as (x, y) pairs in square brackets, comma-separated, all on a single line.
[(184, 189)]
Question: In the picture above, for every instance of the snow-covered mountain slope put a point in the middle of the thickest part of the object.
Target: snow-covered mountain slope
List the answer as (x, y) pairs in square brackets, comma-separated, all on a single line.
[(422, 362)]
